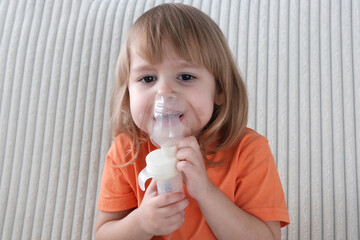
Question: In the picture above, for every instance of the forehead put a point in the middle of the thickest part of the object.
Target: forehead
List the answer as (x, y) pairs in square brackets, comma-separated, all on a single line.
[(139, 64), (155, 56), (154, 48)]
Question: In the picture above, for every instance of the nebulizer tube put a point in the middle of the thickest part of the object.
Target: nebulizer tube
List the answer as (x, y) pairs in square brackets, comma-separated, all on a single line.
[(165, 130)]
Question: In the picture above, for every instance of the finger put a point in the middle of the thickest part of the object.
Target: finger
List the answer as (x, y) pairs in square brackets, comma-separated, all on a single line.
[(176, 207), (169, 198), (189, 141), (188, 149), (187, 168), (182, 166), (152, 189), (192, 174), (185, 154), (176, 220), (171, 224), (173, 209), (191, 156)]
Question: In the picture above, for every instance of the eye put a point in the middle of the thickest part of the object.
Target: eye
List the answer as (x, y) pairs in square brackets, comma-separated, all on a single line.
[(148, 79), (186, 77)]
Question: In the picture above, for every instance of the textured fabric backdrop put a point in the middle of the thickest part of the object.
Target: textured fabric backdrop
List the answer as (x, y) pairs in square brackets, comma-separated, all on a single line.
[(301, 63)]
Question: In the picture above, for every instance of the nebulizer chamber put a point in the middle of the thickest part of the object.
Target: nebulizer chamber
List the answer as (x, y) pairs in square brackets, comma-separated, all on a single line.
[(165, 130)]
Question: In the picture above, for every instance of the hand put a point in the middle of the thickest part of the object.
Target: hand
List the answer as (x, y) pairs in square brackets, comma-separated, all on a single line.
[(162, 214), (191, 164)]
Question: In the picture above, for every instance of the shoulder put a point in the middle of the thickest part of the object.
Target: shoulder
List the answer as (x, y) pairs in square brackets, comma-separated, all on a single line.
[(121, 143), (123, 140), (252, 139), (124, 149), (254, 150), (251, 148), (250, 143), (251, 136)]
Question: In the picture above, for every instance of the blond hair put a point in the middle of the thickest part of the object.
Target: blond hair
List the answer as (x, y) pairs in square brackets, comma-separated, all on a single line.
[(195, 37)]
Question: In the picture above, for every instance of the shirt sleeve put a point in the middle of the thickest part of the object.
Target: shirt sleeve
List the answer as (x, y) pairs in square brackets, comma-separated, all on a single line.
[(259, 190), (116, 193)]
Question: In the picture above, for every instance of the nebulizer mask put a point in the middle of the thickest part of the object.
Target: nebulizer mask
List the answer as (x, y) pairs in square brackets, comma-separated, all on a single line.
[(172, 118)]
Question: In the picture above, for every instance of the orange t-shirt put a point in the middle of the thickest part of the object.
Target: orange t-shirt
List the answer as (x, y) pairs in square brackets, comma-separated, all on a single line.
[(248, 177)]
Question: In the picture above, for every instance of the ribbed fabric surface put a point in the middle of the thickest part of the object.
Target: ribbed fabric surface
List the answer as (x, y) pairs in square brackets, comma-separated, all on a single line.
[(301, 64)]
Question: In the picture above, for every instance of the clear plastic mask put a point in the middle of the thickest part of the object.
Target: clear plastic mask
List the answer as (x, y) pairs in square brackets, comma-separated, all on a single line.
[(173, 118)]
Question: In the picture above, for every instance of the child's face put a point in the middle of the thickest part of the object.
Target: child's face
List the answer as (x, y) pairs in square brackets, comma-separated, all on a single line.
[(173, 75)]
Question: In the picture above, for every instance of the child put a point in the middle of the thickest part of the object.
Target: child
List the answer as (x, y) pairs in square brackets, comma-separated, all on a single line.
[(232, 188)]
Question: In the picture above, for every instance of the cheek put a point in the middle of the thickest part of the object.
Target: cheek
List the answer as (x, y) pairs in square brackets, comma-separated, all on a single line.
[(206, 113), (206, 103), (203, 107), (138, 110), (134, 106)]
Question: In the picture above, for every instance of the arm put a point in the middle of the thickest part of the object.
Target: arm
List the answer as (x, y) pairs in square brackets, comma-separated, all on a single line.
[(157, 215), (121, 224), (226, 220)]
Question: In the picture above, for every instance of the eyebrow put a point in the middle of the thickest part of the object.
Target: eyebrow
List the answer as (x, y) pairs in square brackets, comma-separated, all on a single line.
[(142, 67), (149, 67), (188, 64)]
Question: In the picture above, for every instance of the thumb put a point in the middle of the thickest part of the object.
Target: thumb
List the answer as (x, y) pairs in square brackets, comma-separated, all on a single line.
[(152, 189)]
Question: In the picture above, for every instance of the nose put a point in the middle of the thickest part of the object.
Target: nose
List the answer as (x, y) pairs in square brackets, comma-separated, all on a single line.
[(165, 86)]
